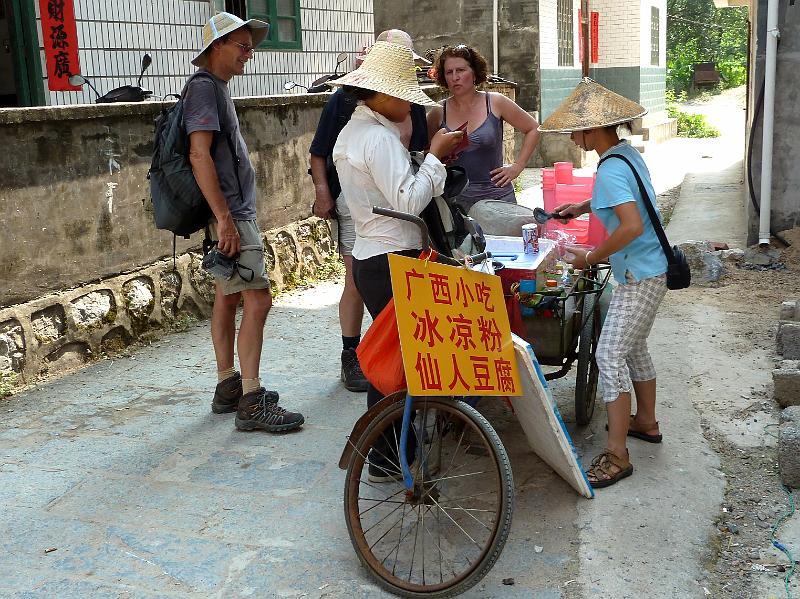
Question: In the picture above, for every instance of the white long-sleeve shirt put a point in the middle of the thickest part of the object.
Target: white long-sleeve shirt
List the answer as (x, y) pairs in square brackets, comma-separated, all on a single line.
[(375, 170)]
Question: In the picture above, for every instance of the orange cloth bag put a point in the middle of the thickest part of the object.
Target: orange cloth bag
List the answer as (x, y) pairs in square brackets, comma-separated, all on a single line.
[(379, 353)]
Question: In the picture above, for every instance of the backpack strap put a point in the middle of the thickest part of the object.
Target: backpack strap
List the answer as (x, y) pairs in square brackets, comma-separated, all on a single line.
[(221, 106), (649, 205)]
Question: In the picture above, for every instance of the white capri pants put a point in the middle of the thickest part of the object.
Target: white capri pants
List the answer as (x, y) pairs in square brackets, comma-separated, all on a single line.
[(622, 355)]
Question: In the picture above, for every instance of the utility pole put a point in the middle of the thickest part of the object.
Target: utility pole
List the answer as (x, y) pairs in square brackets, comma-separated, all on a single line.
[(585, 36)]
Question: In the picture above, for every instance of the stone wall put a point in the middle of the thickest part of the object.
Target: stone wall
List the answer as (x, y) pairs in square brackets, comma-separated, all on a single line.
[(432, 24), (75, 199), (68, 328)]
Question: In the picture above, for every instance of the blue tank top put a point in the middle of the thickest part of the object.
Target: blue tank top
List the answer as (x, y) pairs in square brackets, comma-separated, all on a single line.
[(483, 155)]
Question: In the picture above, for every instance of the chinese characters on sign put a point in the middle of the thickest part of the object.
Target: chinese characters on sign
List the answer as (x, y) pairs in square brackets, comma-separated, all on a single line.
[(594, 36), (454, 330), (60, 39)]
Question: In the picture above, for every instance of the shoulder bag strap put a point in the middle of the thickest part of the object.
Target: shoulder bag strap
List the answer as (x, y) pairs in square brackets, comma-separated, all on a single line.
[(648, 204)]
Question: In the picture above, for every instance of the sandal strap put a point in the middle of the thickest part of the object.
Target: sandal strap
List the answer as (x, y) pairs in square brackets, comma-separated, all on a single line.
[(601, 465), (647, 425)]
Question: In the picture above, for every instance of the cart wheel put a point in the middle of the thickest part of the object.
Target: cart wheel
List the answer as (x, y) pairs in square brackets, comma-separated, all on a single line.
[(441, 537), (586, 377)]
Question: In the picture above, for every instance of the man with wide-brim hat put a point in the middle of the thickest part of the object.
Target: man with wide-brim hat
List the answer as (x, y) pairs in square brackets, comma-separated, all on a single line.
[(375, 169), (329, 203), (221, 25), (592, 115), (221, 166)]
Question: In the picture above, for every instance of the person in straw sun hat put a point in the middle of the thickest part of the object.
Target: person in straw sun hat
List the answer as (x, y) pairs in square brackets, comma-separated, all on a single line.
[(592, 115), (375, 170), (329, 203)]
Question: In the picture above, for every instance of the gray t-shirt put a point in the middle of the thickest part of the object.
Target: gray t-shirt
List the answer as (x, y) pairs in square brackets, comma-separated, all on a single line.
[(200, 114)]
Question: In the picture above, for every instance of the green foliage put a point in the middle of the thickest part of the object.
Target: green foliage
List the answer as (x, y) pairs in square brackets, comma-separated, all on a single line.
[(8, 381), (697, 31), (689, 125)]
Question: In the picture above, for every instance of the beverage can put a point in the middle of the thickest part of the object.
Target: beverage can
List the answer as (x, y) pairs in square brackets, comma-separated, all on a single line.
[(530, 238)]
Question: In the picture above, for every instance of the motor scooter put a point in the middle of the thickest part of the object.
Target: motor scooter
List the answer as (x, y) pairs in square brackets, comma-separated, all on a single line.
[(320, 85), (126, 93)]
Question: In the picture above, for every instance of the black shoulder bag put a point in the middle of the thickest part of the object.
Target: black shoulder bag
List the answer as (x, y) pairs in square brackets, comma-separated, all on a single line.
[(678, 274)]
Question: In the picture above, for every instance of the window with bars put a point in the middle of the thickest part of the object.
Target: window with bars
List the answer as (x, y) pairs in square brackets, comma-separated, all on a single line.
[(283, 17), (654, 36), (566, 50)]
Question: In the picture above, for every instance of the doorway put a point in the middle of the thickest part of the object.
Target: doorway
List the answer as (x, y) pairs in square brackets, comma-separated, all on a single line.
[(21, 81)]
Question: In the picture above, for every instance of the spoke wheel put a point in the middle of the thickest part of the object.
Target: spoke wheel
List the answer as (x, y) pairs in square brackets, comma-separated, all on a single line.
[(587, 372), (441, 537)]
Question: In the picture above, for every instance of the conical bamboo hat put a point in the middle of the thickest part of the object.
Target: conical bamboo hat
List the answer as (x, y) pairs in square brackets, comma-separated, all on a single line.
[(591, 106)]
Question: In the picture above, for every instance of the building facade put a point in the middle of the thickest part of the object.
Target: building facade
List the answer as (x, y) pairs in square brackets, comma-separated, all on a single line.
[(627, 50), (113, 35), (539, 43)]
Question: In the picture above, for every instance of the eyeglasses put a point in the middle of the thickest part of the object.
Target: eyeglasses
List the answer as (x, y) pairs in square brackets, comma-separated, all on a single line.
[(246, 48)]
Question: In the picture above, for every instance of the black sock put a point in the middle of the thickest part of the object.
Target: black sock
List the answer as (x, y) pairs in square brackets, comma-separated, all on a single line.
[(350, 342)]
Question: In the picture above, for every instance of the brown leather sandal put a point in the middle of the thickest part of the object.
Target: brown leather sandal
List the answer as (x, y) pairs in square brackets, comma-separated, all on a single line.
[(643, 435), (607, 469)]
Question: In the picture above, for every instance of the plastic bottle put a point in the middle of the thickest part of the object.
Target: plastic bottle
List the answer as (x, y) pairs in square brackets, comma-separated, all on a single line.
[(566, 278)]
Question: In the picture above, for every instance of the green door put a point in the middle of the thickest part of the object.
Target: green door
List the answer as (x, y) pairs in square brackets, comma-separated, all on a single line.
[(21, 81)]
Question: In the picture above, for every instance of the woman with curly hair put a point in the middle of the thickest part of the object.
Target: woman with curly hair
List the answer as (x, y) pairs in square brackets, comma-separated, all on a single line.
[(461, 69)]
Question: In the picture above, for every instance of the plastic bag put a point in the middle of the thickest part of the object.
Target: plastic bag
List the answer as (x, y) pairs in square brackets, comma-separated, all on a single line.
[(379, 353), (562, 239)]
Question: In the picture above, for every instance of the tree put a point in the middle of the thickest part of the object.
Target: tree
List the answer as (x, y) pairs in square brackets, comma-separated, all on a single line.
[(697, 31)]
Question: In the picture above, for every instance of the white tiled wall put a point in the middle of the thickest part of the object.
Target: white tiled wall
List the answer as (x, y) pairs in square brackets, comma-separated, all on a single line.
[(114, 34), (620, 32), (548, 34)]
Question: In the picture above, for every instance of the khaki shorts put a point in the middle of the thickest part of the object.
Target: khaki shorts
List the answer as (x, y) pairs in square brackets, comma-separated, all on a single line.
[(346, 236), (251, 256)]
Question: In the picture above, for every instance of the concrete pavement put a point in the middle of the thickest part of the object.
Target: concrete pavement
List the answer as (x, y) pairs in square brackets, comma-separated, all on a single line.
[(139, 491)]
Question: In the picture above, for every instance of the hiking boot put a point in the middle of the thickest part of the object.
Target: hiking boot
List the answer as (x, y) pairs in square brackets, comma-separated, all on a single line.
[(352, 376), (260, 410), (227, 395)]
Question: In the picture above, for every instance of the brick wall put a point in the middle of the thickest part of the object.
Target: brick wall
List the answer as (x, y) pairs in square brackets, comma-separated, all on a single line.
[(114, 34)]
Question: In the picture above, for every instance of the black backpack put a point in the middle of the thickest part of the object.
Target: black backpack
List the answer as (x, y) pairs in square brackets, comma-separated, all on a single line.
[(178, 203)]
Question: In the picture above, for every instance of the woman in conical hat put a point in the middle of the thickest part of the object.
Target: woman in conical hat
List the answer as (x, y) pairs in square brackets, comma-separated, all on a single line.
[(375, 169), (592, 115)]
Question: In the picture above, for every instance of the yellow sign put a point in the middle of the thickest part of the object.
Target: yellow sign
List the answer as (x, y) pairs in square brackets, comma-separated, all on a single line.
[(454, 330)]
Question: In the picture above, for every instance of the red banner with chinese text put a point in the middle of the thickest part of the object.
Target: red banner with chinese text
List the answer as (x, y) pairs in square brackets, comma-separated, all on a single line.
[(454, 330), (594, 36), (60, 38)]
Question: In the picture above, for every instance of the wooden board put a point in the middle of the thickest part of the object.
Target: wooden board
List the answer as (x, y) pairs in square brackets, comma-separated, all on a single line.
[(540, 419)]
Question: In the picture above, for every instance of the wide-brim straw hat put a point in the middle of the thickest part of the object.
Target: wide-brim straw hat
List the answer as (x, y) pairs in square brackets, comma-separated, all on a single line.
[(224, 23), (591, 106), (389, 69)]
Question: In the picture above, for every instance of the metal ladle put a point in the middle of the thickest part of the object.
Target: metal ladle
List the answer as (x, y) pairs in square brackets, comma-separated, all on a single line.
[(541, 217)]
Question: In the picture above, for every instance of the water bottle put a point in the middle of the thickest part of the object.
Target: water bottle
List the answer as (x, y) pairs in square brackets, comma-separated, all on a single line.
[(566, 278)]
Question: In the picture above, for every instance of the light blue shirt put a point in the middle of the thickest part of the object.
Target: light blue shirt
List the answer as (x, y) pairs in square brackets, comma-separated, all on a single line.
[(643, 257)]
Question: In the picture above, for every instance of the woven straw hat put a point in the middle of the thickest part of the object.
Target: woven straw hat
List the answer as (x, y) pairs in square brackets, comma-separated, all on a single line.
[(224, 23), (591, 106), (389, 69)]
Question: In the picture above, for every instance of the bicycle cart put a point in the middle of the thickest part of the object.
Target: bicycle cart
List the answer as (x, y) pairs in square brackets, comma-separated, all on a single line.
[(439, 519), (569, 332)]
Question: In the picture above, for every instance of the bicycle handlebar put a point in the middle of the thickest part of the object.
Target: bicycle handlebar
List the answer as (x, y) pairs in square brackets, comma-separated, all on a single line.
[(423, 228)]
